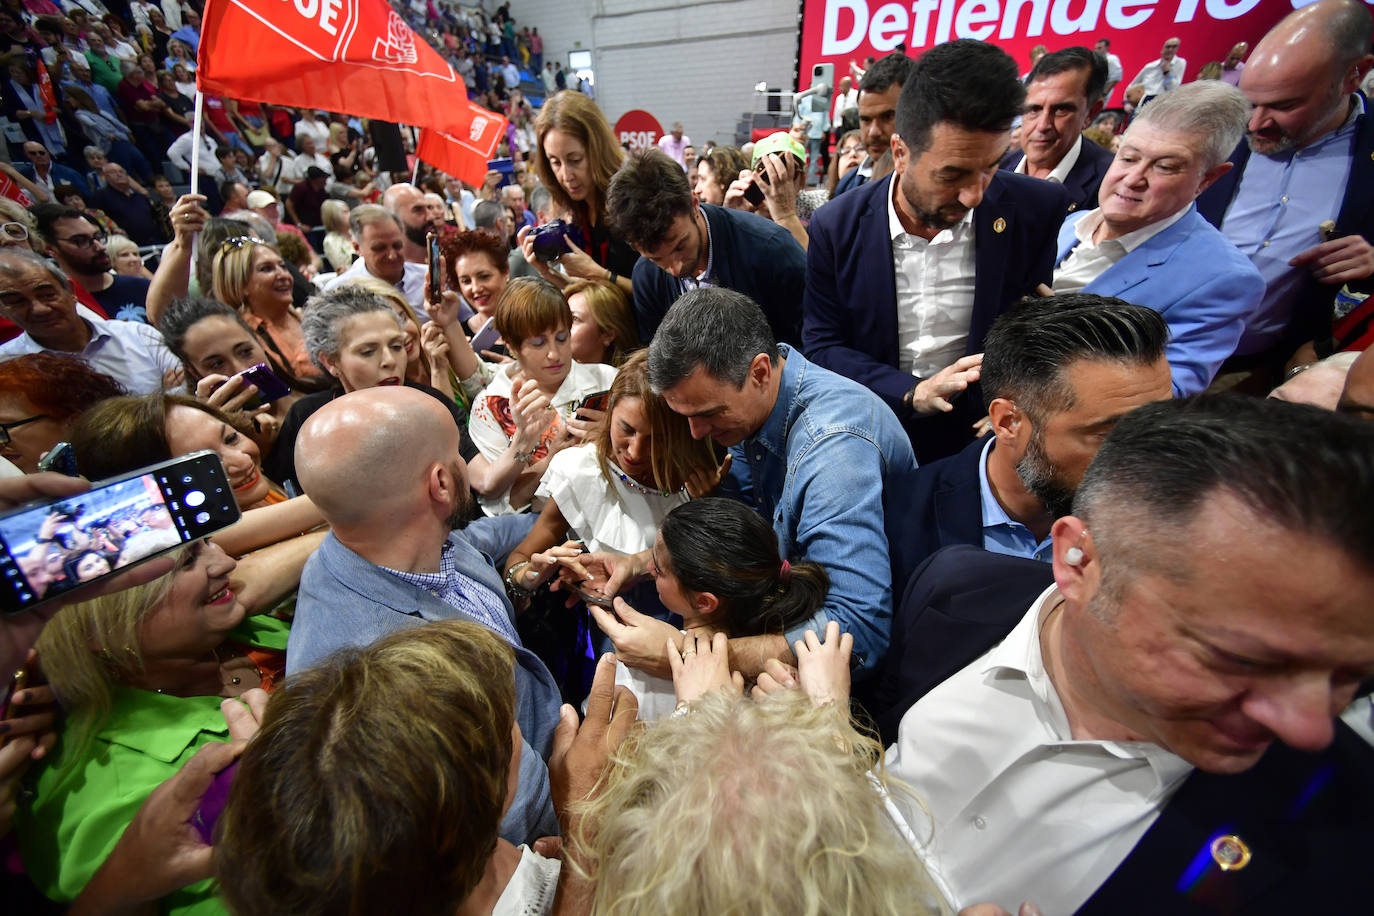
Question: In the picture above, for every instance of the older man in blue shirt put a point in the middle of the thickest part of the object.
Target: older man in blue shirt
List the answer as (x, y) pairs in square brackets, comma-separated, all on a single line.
[(819, 455)]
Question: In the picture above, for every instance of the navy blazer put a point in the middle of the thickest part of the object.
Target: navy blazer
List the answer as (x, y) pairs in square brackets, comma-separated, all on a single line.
[(750, 255), (850, 307), (1312, 316), (945, 508), (60, 174), (1083, 179), (1304, 816)]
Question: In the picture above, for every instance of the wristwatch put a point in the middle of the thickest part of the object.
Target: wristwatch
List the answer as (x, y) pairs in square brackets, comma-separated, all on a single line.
[(513, 588)]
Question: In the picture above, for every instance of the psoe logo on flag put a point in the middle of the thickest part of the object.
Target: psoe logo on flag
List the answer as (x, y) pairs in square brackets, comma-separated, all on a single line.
[(347, 31), (479, 124)]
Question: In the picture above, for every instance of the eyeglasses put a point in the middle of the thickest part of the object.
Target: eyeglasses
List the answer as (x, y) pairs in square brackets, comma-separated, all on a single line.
[(6, 427), (85, 241), (15, 232)]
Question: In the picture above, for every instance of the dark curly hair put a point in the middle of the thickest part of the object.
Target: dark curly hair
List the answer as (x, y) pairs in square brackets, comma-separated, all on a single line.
[(473, 241)]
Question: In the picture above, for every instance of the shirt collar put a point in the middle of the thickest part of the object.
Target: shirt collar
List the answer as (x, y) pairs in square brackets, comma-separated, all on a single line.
[(773, 434), (1019, 655), (1086, 226), (896, 230), (994, 515), (1060, 171), (433, 580)]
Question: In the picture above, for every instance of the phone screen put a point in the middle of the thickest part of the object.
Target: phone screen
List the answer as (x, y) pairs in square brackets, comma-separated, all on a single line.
[(435, 280), (54, 546)]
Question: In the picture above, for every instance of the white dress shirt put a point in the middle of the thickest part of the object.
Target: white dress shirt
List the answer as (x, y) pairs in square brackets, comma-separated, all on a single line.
[(1018, 809), (1060, 171), (1152, 77), (1087, 261), (934, 292), (412, 284), (843, 102), (130, 352)]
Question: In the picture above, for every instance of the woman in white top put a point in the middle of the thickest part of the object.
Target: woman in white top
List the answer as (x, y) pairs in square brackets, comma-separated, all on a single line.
[(614, 492), (716, 564), (528, 412), (405, 818)]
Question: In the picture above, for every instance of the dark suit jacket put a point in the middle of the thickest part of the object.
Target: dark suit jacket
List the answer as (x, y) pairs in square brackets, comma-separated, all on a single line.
[(61, 174), (1312, 316), (751, 255), (1083, 179), (1305, 817), (945, 508), (850, 308)]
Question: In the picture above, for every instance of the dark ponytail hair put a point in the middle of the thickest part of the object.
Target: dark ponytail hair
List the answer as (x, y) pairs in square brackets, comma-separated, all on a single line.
[(723, 547)]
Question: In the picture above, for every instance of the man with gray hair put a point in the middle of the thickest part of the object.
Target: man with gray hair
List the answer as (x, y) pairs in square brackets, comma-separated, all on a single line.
[(38, 297), (818, 455), (1146, 242), (380, 242)]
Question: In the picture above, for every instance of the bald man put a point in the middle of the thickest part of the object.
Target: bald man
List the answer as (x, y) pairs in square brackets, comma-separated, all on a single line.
[(1300, 201), (408, 203), (1358, 397), (383, 466)]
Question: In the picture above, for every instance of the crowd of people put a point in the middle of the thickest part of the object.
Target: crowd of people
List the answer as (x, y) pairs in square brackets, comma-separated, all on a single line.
[(972, 519)]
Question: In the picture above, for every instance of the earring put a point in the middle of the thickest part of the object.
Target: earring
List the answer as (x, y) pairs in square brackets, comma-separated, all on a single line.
[(1073, 556)]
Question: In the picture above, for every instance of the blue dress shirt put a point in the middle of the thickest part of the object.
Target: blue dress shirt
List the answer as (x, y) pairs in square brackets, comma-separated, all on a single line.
[(1001, 533)]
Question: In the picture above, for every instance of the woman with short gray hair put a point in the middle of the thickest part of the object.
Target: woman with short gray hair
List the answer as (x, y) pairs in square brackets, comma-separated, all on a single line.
[(355, 336)]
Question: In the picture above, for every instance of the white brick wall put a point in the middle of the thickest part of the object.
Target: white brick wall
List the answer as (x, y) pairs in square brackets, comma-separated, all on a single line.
[(694, 62)]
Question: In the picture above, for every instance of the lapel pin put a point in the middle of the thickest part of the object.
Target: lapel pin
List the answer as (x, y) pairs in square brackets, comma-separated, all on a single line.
[(999, 225), (1230, 853)]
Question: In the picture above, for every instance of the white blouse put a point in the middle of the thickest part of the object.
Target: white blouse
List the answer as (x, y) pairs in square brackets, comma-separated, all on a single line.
[(606, 514)]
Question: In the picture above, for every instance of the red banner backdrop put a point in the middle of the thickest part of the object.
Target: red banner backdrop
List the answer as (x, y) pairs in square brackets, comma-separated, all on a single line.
[(352, 56), (840, 31)]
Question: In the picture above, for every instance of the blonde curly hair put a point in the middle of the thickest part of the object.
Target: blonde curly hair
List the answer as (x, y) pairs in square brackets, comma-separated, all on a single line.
[(761, 807)]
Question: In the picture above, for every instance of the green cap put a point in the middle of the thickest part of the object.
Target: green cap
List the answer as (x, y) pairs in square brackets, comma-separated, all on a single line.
[(780, 142)]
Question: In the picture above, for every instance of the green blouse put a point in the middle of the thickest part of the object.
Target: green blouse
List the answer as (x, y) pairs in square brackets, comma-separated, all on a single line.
[(85, 797)]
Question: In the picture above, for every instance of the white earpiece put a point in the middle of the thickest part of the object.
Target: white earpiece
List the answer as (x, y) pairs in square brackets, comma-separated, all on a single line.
[(1073, 556)]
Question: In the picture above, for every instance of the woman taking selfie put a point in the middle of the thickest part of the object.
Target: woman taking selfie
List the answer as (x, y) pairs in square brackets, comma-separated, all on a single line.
[(575, 158)]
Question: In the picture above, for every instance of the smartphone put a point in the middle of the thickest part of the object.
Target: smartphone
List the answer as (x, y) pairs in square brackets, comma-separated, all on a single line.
[(436, 280), (754, 193), (486, 336), (61, 459), (270, 387), (597, 401), (52, 546), (212, 803), (17, 683)]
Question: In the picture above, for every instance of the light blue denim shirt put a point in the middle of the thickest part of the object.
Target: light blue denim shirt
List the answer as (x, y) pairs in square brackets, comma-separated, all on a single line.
[(1001, 533), (825, 467)]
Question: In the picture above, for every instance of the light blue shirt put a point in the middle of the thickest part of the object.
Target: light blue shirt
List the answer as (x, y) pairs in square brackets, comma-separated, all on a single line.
[(830, 468), (1277, 212), (1002, 533), (130, 352)]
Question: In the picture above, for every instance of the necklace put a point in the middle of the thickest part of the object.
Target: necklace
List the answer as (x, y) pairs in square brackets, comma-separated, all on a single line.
[(640, 488)]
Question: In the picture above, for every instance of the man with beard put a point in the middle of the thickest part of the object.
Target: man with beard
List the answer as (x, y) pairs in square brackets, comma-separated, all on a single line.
[(685, 244), (78, 246), (905, 275), (408, 203), (383, 467), (1057, 374), (381, 244), (1300, 200)]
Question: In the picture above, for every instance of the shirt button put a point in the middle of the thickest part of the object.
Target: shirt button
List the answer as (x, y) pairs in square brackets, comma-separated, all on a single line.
[(979, 822), (1264, 244), (1283, 199)]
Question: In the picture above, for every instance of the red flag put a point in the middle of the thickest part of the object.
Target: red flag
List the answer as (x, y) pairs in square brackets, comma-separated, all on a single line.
[(463, 155), (353, 56), (47, 94), (11, 189)]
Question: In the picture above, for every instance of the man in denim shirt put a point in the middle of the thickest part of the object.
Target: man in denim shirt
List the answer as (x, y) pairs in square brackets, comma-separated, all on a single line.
[(820, 455)]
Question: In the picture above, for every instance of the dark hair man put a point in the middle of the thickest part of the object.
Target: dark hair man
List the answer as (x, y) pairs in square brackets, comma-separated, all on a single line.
[(1164, 711), (684, 244), (1063, 95), (898, 292), (1057, 374), (814, 453), (1298, 202), (879, 90), (78, 246)]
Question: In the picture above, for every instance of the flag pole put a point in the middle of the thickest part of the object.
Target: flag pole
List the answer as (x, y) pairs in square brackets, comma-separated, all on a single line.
[(415, 173), (196, 126)]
